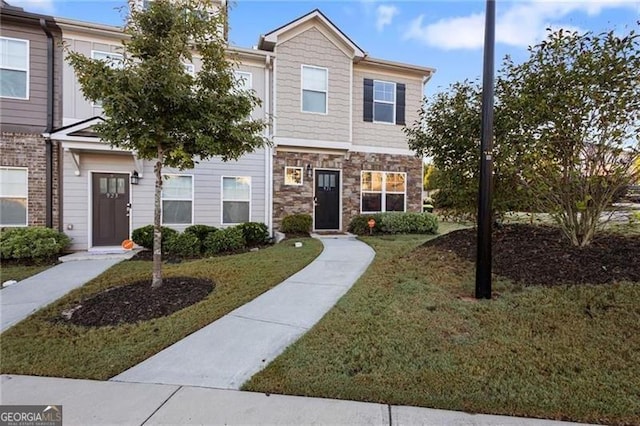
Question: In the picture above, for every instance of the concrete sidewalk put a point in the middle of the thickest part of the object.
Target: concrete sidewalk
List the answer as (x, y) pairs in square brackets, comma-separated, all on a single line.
[(227, 352), (21, 300), (87, 402)]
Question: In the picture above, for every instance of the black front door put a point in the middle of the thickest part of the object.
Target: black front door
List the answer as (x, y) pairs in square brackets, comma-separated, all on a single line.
[(327, 199), (110, 202)]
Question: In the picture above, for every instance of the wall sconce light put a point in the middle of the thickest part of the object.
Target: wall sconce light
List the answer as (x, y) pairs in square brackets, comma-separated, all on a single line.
[(135, 178), (309, 171)]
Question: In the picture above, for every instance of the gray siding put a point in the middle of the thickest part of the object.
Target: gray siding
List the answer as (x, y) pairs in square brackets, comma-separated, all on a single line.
[(383, 134), (312, 48), (207, 183), (31, 114)]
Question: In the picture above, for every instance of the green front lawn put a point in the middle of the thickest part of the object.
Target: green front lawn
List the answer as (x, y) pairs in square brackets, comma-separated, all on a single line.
[(42, 345), (20, 272), (409, 333)]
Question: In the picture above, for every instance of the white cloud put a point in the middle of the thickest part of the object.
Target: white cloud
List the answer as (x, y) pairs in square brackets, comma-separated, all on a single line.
[(521, 25), (35, 6), (384, 15)]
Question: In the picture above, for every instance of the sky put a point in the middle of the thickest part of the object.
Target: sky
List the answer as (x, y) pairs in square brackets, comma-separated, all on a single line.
[(445, 35)]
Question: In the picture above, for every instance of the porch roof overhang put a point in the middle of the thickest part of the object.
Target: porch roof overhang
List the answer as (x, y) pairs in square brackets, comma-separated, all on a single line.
[(78, 138)]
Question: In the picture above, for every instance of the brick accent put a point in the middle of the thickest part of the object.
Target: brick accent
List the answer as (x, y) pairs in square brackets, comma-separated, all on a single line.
[(289, 199), (29, 150)]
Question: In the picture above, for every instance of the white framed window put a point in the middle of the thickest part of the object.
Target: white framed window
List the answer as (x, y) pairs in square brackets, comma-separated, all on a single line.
[(244, 80), (315, 83), (177, 199), (383, 191), (13, 196), (189, 69), (14, 68), (293, 175), (384, 102), (236, 199), (113, 59)]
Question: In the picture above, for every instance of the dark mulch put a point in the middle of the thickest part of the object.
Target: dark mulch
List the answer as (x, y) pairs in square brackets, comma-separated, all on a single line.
[(138, 302), (542, 255)]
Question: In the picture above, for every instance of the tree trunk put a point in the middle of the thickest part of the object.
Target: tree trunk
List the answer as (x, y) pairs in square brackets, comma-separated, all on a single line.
[(156, 280)]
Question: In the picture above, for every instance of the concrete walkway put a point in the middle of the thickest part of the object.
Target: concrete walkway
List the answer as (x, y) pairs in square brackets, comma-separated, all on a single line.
[(21, 300), (227, 352), (87, 402)]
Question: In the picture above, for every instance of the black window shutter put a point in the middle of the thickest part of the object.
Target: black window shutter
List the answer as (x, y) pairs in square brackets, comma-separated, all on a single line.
[(367, 106), (400, 89)]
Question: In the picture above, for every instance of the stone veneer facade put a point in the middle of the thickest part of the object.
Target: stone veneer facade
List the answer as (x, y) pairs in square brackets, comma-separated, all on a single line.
[(29, 150), (290, 199)]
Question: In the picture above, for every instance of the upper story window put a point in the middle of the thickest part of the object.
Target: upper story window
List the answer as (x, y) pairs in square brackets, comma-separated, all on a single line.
[(113, 59), (314, 89), (384, 101), (14, 68), (189, 69), (243, 80)]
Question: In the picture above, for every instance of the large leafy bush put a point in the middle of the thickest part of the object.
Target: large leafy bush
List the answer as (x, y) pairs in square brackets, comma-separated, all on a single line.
[(35, 243), (297, 224), (395, 223), (144, 236), (224, 240), (254, 233)]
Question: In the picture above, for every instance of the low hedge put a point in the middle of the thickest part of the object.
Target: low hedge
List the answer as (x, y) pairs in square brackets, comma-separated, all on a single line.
[(254, 233), (223, 240), (183, 245), (297, 224), (144, 236), (395, 223), (35, 243)]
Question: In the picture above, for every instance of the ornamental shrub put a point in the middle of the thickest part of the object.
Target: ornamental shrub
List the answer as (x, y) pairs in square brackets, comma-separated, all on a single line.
[(200, 231), (359, 225), (409, 223), (224, 240), (254, 233), (183, 245), (36, 243), (144, 236), (395, 223), (297, 224)]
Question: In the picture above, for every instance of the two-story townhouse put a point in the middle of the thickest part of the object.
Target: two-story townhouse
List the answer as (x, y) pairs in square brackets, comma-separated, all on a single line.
[(108, 192), (339, 115), (30, 82)]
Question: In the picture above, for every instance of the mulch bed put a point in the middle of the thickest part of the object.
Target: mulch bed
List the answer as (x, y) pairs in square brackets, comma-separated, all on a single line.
[(542, 255), (138, 302)]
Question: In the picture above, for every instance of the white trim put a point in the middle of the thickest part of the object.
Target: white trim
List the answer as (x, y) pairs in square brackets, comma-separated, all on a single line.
[(301, 176), (193, 201), (312, 143), (340, 211), (90, 173), (326, 91), (382, 150), (383, 191), (27, 70), (272, 37), (268, 152), (222, 199), (351, 101), (373, 112), (26, 197)]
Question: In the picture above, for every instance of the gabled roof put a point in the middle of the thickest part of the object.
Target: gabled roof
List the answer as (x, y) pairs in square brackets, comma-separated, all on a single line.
[(269, 40)]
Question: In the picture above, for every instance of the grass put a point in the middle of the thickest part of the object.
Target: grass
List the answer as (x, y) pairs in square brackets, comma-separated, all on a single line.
[(409, 333), (20, 272), (42, 346)]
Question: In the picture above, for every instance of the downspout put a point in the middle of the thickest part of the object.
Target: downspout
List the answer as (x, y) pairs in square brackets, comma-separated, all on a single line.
[(269, 149), (49, 129)]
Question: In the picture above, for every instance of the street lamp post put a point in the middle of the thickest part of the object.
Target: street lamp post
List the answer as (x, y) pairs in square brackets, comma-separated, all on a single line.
[(483, 261)]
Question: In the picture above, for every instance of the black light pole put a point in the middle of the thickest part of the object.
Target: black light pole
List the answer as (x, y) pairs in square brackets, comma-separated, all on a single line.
[(483, 262)]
